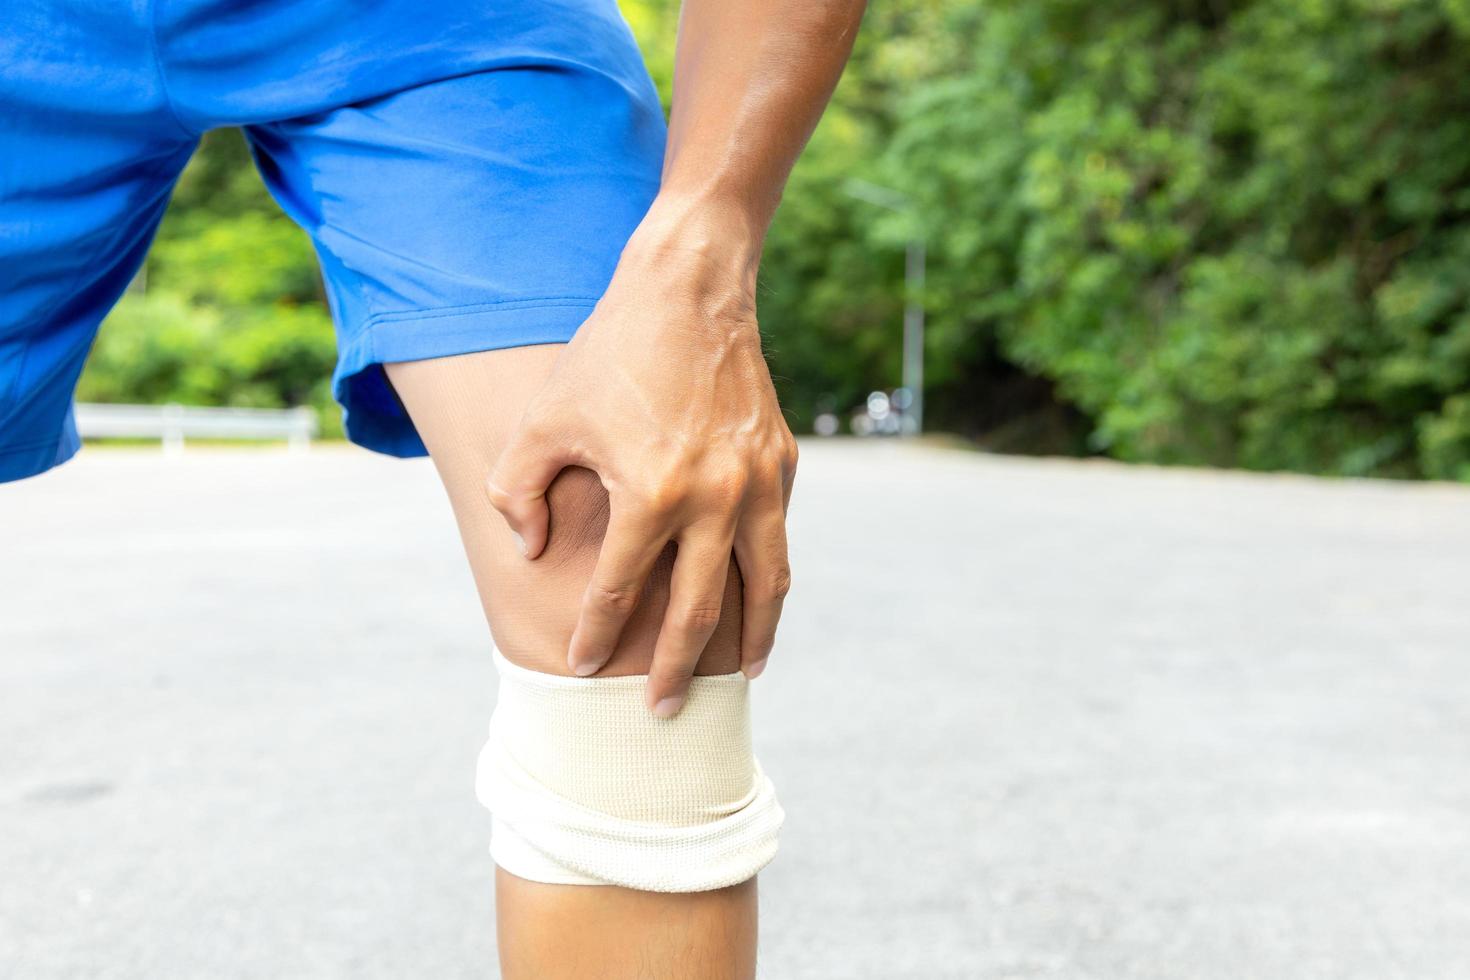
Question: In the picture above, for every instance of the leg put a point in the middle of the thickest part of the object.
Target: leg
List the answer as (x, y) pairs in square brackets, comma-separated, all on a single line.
[(464, 408), (556, 931), (484, 211)]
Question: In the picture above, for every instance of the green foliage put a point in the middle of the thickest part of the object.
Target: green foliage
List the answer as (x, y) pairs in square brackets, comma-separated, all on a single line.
[(228, 310), (1230, 233), (1223, 232), (160, 348)]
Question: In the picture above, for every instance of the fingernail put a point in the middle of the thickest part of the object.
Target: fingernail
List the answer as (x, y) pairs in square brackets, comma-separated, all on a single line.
[(520, 542), (669, 707), (755, 669), (585, 670)]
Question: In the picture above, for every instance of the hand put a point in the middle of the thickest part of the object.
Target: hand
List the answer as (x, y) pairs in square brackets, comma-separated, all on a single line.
[(665, 394)]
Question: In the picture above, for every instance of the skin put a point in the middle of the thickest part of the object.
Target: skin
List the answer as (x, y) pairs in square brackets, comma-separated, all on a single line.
[(625, 934), (465, 408), (607, 489), (664, 392)]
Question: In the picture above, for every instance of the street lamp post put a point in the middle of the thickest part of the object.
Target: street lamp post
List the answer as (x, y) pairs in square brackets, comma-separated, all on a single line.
[(913, 329), (913, 287)]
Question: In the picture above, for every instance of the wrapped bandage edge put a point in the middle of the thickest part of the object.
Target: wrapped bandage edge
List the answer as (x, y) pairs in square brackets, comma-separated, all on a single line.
[(587, 787)]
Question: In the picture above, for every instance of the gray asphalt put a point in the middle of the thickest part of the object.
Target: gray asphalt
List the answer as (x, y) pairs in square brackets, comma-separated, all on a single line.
[(1028, 718)]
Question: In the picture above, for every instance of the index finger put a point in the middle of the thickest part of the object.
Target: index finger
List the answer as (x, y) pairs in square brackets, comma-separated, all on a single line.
[(629, 549)]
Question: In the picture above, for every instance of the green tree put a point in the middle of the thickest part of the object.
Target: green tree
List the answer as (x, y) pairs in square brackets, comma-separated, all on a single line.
[(229, 308), (1223, 232), (1230, 233)]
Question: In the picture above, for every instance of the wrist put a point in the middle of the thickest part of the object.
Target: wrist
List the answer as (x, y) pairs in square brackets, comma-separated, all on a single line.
[(682, 234)]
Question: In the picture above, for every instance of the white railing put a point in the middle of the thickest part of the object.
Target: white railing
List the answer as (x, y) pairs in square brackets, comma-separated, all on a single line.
[(172, 423)]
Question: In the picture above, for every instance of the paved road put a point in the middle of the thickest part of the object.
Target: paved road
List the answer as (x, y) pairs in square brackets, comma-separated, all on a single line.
[(1029, 719)]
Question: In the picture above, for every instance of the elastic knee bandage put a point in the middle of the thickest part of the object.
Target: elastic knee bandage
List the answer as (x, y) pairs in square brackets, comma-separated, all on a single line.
[(588, 787)]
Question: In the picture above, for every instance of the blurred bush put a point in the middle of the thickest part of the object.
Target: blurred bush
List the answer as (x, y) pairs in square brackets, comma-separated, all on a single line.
[(229, 310), (1186, 231), (1226, 233)]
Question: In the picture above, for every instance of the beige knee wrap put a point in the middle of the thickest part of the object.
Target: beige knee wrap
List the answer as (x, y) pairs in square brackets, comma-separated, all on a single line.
[(587, 787)]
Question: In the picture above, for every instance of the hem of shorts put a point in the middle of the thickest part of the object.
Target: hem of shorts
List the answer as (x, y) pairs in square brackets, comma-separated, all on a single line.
[(416, 335), (34, 458)]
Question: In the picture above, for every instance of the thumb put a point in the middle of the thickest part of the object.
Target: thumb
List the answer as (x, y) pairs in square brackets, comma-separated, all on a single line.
[(517, 487)]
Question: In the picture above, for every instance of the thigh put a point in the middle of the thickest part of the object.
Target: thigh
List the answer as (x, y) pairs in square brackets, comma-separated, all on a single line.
[(465, 408)]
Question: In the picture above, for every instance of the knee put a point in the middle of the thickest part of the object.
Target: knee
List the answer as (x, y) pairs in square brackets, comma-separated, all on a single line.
[(586, 785), (533, 606)]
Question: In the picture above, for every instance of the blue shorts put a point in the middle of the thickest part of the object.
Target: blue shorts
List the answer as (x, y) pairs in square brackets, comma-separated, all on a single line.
[(468, 172)]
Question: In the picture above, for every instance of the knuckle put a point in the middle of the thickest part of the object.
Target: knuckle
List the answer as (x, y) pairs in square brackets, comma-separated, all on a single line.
[(500, 498), (776, 464), (778, 584), (728, 486), (663, 497), (618, 599), (767, 474), (697, 619)]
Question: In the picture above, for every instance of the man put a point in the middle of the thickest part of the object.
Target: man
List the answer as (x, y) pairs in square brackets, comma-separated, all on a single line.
[(534, 280)]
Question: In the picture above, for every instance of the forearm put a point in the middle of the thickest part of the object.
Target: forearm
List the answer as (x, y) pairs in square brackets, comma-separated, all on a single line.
[(751, 79), (664, 392)]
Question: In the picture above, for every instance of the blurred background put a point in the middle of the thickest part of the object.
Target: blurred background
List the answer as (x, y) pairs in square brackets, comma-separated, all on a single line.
[(1044, 717), (1179, 231)]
